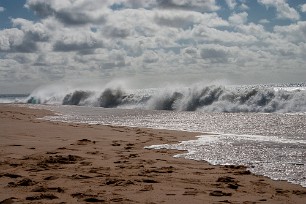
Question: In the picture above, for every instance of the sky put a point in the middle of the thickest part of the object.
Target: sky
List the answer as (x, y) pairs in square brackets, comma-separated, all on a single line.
[(151, 42)]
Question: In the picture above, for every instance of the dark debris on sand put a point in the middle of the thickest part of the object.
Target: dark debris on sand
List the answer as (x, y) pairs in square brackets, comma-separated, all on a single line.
[(61, 159)]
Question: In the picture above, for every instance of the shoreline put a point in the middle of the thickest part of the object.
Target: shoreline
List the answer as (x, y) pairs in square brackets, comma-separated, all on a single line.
[(54, 162)]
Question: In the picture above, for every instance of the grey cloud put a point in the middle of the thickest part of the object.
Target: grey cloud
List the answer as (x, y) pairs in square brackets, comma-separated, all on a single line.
[(150, 57), (53, 73), (207, 34), (215, 54), (71, 14), (26, 46), (190, 51), (294, 33), (23, 39), (84, 47), (10, 38), (190, 55), (177, 21), (207, 5), (22, 58), (138, 3), (41, 61), (116, 32), (15, 40), (196, 5), (115, 59), (30, 42), (154, 37), (78, 18), (40, 8), (80, 41), (35, 31)]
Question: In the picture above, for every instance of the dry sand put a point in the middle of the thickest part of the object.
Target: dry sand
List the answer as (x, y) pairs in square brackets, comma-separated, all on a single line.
[(51, 162)]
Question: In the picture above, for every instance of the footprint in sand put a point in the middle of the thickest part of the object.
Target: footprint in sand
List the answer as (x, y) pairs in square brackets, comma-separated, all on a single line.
[(129, 146), (61, 159), (118, 182), (8, 201), (79, 176), (85, 142), (49, 178), (93, 152), (42, 196), (23, 182), (147, 188), (10, 175), (90, 198), (45, 189), (94, 200), (231, 182), (116, 143), (219, 193), (301, 193), (193, 192)]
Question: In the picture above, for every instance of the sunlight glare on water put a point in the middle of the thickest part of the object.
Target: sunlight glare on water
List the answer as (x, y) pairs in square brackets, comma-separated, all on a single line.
[(273, 145)]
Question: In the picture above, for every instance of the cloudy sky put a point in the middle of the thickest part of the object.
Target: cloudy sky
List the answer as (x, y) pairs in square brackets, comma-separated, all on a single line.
[(151, 42)]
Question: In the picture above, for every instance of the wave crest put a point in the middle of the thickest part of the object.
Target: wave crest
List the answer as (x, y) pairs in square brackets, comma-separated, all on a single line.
[(111, 98), (197, 98), (76, 98)]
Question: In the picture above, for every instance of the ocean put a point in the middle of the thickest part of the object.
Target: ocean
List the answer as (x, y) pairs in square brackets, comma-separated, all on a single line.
[(13, 98), (262, 126)]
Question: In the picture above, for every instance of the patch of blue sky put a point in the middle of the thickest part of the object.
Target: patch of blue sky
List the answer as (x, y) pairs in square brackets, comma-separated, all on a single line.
[(117, 6), (14, 9)]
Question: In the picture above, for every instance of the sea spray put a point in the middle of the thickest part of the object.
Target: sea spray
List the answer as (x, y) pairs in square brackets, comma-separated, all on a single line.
[(196, 98)]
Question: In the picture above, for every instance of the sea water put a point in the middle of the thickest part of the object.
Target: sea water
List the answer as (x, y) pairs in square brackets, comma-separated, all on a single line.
[(263, 128), (13, 98)]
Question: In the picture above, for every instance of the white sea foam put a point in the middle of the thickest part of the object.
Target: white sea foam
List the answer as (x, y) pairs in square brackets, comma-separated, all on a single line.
[(262, 126), (267, 99), (269, 144), (275, 157)]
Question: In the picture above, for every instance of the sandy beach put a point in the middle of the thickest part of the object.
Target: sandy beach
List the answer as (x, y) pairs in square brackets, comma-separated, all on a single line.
[(52, 162)]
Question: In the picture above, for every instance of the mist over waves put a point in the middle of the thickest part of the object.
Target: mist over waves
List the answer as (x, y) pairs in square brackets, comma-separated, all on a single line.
[(287, 98)]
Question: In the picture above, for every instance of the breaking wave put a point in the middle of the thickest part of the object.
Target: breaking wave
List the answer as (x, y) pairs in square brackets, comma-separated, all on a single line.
[(197, 98)]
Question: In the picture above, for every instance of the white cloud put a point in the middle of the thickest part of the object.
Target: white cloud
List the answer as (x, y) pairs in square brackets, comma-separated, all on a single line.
[(231, 4), (303, 8), (78, 41), (2, 9), (205, 34), (179, 19), (11, 39), (78, 12), (238, 18), (150, 56), (186, 20), (36, 31), (283, 9), (293, 33), (243, 7), (263, 21), (137, 3), (215, 53), (111, 38)]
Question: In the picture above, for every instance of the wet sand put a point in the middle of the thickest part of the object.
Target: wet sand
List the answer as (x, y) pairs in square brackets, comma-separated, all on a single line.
[(52, 162)]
